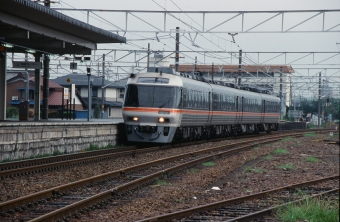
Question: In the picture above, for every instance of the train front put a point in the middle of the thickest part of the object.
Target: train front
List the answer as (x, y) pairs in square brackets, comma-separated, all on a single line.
[(151, 108)]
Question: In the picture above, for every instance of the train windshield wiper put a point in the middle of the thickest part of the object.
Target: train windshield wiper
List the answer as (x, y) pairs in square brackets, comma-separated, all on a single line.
[(165, 103)]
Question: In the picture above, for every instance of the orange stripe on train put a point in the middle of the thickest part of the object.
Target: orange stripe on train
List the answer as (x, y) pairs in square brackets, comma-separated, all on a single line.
[(195, 112)]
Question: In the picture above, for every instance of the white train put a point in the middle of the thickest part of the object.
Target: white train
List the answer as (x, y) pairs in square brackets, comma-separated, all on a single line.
[(162, 108)]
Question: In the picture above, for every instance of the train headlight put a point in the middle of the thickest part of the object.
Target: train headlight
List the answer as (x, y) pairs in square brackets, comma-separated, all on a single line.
[(135, 118), (163, 120)]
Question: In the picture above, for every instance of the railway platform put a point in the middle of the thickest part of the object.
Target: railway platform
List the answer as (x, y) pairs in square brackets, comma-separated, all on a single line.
[(23, 139)]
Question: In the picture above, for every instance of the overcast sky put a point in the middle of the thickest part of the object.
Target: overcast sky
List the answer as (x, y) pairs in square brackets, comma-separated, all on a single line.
[(231, 5), (256, 42), (247, 42)]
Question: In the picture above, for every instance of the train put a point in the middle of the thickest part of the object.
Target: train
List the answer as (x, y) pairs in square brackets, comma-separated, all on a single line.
[(164, 106)]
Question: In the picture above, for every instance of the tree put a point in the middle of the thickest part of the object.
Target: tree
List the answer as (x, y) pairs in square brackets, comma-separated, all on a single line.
[(96, 113)]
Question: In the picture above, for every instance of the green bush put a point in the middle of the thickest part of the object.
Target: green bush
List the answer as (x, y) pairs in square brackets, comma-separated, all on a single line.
[(12, 112), (96, 113), (53, 114), (68, 115)]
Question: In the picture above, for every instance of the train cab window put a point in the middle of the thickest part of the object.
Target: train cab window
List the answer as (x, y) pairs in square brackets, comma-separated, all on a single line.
[(152, 96), (153, 80)]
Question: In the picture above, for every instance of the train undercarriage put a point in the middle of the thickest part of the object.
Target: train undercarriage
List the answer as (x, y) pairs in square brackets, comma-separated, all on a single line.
[(211, 132)]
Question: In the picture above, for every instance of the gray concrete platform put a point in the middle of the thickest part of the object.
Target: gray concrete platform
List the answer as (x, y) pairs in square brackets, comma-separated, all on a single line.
[(24, 139)]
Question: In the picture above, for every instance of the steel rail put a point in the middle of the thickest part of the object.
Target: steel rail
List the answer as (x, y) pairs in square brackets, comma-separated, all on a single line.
[(49, 160), (102, 198), (271, 209), (97, 156), (73, 208), (219, 204), (18, 202), (59, 158)]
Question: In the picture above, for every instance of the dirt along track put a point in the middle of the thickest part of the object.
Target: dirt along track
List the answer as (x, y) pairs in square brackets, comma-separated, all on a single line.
[(259, 169), (24, 184), (120, 162)]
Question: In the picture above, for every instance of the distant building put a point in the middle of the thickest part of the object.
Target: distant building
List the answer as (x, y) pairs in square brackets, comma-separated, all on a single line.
[(16, 93), (113, 94)]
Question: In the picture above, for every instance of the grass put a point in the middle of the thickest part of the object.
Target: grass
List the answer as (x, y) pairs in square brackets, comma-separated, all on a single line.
[(287, 139), (287, 166), (299, 192), (193, 170), (268, 157), (254, 170), (311, 210), (256, 148), (312, 159), (281, 151), (162, 183), (308, 134), (209, 164), (94, 147)]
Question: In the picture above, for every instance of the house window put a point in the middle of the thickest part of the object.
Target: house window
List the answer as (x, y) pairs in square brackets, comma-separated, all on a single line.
[(30, 95)]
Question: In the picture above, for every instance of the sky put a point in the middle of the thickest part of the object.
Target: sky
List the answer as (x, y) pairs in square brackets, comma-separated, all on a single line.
[(248, 42)]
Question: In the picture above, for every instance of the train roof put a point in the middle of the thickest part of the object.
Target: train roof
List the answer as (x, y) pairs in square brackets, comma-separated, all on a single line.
[(199, 77)]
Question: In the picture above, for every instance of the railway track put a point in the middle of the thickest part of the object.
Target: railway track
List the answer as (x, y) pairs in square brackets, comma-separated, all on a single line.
[(87, 194), (255, 206), (19, 168)]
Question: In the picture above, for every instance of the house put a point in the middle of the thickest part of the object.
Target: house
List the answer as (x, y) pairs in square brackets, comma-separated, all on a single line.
[(106, 96), (16, 94)]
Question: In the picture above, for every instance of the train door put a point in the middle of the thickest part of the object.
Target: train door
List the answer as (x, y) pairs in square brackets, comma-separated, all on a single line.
[(210, 108), (263, 110), (242, 105), (239, 109)]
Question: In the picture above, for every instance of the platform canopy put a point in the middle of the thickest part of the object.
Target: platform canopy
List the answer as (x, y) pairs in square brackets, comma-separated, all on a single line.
[(27, 25)]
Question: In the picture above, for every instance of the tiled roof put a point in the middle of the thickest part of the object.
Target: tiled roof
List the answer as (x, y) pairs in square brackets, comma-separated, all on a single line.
[(22, 76), (55, 98), (51, 84)]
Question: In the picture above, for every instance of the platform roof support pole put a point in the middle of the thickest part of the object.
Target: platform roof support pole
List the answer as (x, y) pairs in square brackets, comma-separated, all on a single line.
[(46, 77), (3, 84), (37, 89)]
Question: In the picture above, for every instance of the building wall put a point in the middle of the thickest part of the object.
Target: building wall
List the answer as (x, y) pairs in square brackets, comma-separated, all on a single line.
[(12, 90), (115, 112)]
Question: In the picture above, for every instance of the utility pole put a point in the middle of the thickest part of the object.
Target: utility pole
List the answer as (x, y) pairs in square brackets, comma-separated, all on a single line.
[(148, 62), (177, 49), (281, 95), (195, 64), (239, 67), (103, 79), (319, 99), (212, 73)]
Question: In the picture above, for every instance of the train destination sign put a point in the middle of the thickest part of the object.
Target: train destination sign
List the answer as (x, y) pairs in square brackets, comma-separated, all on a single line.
[(29, 65)]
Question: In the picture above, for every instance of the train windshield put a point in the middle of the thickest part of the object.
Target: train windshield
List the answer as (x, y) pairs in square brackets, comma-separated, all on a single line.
[(152, 96)]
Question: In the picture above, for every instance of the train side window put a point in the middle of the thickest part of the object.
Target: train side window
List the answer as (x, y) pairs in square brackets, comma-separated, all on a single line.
[(200, 99), (178, 97), (185, 98)]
